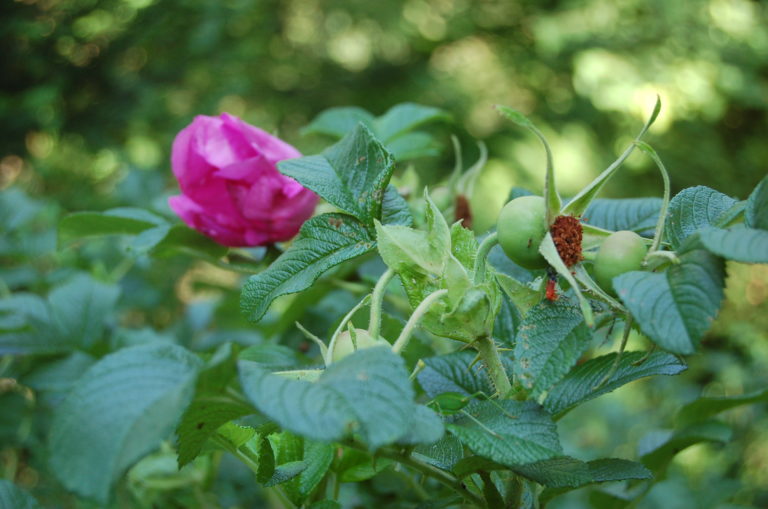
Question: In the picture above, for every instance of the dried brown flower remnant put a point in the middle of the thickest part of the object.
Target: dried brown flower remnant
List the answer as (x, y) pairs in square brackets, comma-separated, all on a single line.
[(567, 234), (462, 212)]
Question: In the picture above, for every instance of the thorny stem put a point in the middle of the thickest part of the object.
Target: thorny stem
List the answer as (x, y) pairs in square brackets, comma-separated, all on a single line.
[(482, 253), (615, 365), (418, 313), (490, 355), (374, 324)]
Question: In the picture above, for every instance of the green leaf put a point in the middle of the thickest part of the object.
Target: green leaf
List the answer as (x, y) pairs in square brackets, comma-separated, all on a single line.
[(658, 457), (405, 117), (550, 340), (120, 221), (675, 308), (59, 375), (523, 296), (357, 466), (317, 456), (694, 209), (394, 208), (352, 174), (13, 497), (464, 245), (285, 472), (181, 239), (201, 420), (366, 394), (581, 383), (583, 199), (507, 322), (756, 213), (634, 214), (337, 122), (558, 472), (405, 249), (703, 408), (508, 432), (454, 372), (79, 309), (323, 242), (413, 145), (444, 453), (121, 409), (73, 316), (737, 243), (570, 473)]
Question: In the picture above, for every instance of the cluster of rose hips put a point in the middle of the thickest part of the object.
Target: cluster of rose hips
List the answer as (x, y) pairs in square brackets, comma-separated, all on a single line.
[(522, 226)]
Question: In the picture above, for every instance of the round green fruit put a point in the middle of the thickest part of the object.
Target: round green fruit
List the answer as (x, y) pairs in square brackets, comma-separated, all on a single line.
[(344, 346), (620, 252), (521, 227)]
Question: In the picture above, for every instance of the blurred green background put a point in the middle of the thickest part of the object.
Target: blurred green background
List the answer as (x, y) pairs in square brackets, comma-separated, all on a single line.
[(93, 92)]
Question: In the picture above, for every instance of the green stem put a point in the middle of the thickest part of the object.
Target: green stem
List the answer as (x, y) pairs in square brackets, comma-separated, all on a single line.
[(482, 253), (490, 355), (659, 233), (435, 473), (413, 321), (374, 324), (340, 328), (622, 346)]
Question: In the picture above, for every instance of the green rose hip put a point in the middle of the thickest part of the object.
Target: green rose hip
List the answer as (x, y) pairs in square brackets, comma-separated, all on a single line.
[(620, 252), (521, 227)]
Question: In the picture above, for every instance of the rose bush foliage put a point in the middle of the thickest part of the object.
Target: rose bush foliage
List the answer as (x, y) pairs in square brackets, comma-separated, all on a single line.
[(231, 189)]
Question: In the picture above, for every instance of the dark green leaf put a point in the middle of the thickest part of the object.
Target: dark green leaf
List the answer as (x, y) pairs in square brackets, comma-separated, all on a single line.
[(121, 221), (286, 472), (737, 243), (694, 209), (511, 433), (507, 322), (704, 408), (561, 472), (352, 174), (394, 208), (201, 420), (444, 453), (271, 357), (366, 394), (337, 122), (121, 409), (13, 497), (675, 308), (323, 242), (550, 340), (571, 473), (181, 239), (59, 375), (357, 466), (635, 214), (756, 213), (708, 431), (580, 384), (452, 373), (79, 309), (73, 317)]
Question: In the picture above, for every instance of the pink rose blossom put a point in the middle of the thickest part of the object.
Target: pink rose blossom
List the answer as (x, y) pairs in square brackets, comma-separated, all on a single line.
[(231, 189)]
